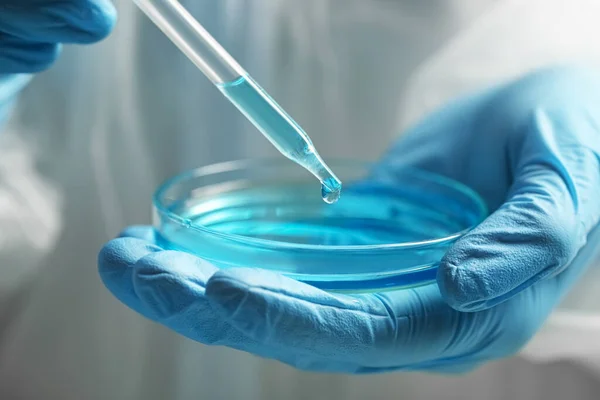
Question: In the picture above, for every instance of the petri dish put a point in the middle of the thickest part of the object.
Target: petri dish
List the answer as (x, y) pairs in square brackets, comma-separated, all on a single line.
[(386, 232)]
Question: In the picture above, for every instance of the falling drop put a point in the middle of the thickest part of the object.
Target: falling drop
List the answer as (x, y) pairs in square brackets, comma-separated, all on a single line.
[(331, 190)]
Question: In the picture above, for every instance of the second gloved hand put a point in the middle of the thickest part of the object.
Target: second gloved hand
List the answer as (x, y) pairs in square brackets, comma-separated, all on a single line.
[(530, 147), (32, 32)]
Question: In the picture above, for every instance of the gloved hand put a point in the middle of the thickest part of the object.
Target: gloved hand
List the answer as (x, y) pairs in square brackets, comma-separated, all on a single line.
[(531, 148), (31, 33)]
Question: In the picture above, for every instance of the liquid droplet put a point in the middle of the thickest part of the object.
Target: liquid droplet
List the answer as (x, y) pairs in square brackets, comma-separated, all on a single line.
[(331, 191)]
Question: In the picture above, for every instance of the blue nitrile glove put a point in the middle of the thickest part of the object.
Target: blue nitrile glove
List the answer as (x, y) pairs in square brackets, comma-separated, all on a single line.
[(32, 31), (531, 148)]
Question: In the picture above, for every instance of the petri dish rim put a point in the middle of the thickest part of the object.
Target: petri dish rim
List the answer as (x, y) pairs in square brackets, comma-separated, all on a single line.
[(231, 166)]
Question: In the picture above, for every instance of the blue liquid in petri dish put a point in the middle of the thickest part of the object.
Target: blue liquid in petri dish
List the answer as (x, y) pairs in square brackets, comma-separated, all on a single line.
[(356, 219), (343, 246), (282, 131), (295, 215)]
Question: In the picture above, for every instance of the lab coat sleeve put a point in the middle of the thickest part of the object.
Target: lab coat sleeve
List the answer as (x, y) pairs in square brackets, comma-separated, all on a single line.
[(29, 205)]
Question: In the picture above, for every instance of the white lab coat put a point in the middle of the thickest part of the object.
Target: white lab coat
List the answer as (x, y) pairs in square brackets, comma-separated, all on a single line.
[(93, 137)]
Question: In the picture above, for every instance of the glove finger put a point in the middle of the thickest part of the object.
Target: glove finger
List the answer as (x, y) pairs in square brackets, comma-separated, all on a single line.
[(166, 287), (374, 330), (116, 263), (145, 278), (64, 21), (279, 311), (18, 56), (536, 233)]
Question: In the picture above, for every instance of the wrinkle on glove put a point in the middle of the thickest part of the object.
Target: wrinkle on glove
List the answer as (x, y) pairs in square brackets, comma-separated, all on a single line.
[(530, 147)]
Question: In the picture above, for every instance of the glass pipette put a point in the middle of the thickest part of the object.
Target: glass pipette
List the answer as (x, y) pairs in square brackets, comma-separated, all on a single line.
[(237, 85)]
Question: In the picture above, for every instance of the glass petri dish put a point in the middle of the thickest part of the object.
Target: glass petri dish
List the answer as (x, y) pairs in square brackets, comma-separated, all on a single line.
[(385, 232)]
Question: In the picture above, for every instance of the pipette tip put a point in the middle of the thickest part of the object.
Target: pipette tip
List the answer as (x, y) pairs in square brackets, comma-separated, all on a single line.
[(331, 189)]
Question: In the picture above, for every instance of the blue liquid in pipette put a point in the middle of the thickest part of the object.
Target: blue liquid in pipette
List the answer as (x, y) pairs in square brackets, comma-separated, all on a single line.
[(282, 131)]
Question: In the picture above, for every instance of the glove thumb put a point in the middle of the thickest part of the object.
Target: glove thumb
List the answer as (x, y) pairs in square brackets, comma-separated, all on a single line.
[(538, 231)]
